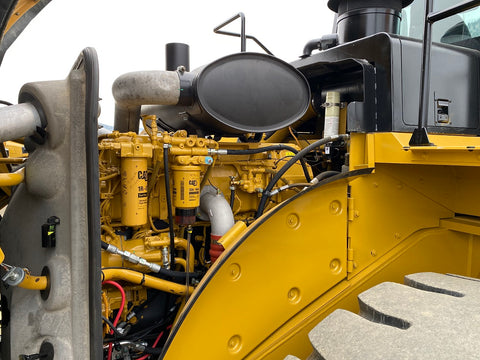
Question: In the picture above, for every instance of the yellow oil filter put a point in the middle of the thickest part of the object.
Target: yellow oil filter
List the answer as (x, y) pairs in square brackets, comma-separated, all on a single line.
[(186, 186), (134, 191)]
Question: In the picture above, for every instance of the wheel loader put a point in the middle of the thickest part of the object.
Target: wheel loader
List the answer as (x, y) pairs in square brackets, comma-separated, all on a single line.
[(252, 208)]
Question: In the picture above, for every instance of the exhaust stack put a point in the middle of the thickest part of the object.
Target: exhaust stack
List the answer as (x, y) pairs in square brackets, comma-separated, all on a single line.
[(359, 18)]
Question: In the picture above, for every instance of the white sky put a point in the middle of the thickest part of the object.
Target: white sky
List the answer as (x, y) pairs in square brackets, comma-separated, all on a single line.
[(131, 36)]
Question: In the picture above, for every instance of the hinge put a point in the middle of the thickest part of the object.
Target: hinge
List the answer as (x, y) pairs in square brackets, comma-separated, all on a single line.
[(350, 265), (350, 218), (350, 209)]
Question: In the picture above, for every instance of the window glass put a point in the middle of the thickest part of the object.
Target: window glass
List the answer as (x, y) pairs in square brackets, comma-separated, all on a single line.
[(462, 29)]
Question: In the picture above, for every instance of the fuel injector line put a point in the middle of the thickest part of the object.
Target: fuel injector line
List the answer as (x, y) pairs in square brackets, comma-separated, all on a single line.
[(270, 148), (169, 205), (287, 166)]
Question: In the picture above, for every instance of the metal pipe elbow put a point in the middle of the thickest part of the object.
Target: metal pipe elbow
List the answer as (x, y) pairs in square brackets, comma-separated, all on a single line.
[(134, 89), (17, 121), (217, 209)]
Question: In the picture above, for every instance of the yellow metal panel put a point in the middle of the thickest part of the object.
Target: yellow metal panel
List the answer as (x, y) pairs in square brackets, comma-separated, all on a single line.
[(393, 148), (292, 254), (463, 224), (448, 150), (437, 250), (386, 211)]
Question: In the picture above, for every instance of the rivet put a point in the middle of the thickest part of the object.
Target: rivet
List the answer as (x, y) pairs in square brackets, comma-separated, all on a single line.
[(335, 207), (336, 266), (234, 272), (294, 295), (234, 344), (293, 220)]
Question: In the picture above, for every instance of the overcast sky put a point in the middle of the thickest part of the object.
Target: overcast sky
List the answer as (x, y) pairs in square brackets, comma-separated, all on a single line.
[(131, 35)]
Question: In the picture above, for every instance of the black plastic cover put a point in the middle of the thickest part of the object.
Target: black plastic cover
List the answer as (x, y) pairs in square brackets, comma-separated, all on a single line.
[(249, 92), (390, 98)]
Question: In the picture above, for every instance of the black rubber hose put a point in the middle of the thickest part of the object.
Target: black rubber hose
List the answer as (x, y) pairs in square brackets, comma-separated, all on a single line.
[(109, 323), (261, 149), (169, 205), (272, 148), (179, 274), (290, 162), (232, 197), (152, 351), (326, 174)]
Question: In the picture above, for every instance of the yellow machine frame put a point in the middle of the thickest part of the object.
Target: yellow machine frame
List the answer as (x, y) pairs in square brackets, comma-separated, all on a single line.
[(401, 209)]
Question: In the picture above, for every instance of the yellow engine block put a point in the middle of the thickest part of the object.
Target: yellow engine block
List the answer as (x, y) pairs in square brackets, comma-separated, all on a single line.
[(135, 203)]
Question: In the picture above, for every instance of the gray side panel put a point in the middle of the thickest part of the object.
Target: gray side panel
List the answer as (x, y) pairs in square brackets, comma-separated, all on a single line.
[(55, 185)]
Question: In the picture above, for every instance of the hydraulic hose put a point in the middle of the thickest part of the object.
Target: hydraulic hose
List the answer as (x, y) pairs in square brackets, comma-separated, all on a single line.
[(169, 205), (322, 176), (139, 278), (34, 282), (272, 148), (289, 164), (12, 179)]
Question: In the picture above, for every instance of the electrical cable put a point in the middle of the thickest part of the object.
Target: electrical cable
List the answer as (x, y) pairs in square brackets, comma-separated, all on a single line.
[(289, 164), (155, 343), (169, 205), (187, 267), (119, 313), (109, 323)]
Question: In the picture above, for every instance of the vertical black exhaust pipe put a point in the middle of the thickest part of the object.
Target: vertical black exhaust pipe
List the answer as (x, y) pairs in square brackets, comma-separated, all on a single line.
[(360, 18), (177, 54)]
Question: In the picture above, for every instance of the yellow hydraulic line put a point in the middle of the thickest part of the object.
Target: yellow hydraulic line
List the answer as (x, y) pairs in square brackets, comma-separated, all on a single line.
[(34, 282), (156, 241), (139, 278), (12, 179), (12, 160), (182, 262)]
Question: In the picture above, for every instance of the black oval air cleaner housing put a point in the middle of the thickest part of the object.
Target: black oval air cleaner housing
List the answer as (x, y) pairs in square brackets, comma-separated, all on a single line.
[(248, 92)]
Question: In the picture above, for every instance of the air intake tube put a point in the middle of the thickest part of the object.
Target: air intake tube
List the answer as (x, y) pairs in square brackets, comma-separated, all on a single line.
[(216, 208), (239, 93), (134, 89)]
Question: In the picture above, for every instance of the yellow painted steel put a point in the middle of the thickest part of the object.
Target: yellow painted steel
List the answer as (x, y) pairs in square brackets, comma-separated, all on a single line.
[(228, 239), (134, 177), (267, 278), (393, 148), (34, 282), (139, 278), (318, 251), (12, 179), (2, 256)]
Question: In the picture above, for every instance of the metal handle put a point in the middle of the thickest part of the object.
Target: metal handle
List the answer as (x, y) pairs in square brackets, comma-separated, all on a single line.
[(242, 35)]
